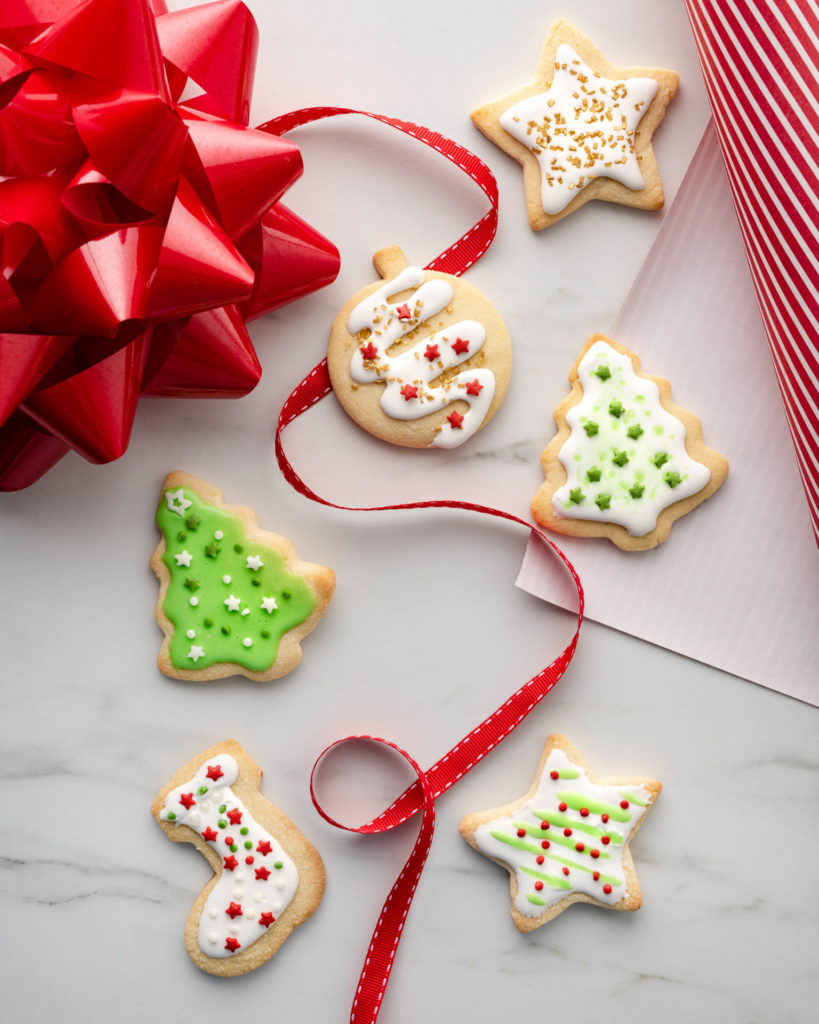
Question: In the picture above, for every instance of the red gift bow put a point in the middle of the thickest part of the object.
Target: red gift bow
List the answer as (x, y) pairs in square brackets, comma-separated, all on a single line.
[(469, 751), (760, 62), (139, 231)]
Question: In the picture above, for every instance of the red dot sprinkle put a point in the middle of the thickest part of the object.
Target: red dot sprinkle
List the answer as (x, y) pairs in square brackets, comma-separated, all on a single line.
[(562, 806), (554, 775), (228, 840), (521, 832), (565, 871), (544, 825), (607, 888), (540, 858), (538, 886), (605, 840), (584, 812), (545, 844), (596, 875), (605, 818), (624, 804), (248, 860), (567, 831), (595, 854), (580, 847)]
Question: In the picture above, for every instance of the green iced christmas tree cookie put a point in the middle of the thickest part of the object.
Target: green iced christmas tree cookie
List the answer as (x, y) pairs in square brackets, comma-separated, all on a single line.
[(234, 599)]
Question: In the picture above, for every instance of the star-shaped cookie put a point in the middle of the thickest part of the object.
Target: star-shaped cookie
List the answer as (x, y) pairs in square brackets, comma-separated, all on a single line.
[(566, 841), (581, 129)]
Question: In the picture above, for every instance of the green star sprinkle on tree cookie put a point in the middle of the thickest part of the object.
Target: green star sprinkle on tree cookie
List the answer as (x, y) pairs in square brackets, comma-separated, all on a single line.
[(234, 599), (636, 457)]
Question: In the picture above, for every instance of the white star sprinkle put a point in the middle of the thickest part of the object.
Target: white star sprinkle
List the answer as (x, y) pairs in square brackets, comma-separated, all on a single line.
[(196, 652), (254, 562), (269, 604), (232, 603), (177, 502), (183, 559)]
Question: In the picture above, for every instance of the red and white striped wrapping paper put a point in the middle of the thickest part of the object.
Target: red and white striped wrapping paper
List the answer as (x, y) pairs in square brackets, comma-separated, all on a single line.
[(760, 62)]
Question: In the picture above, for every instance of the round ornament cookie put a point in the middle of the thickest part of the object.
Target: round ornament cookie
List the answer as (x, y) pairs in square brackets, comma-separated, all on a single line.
[(420, 359), (267, 878)]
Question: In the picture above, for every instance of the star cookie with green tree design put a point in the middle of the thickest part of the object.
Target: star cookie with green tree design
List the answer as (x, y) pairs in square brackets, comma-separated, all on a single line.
[(234, 599), (567, 840)]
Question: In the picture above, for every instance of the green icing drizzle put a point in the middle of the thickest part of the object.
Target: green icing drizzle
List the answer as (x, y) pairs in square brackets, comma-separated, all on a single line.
[(564, 821), (578, 800), (518, 844), (537, 900), (634, 799), (556, 837), (210, 618), (553, 880), (569, 773)]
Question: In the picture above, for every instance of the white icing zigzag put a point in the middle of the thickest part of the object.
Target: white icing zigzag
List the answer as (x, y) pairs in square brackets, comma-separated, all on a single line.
[(407, 395)]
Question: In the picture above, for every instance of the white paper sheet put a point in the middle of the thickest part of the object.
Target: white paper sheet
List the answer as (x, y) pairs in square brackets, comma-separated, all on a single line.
[(737, 583)]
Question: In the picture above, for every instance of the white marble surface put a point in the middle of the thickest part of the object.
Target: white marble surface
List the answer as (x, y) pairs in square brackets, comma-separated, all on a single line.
[(94, 897)]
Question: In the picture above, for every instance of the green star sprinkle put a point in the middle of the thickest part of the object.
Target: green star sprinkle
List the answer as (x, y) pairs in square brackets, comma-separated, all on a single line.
[(620, 458), (672, 478), (603, 372), (181, 535), (634, 431), (660, 459), (212, 550), (591, 428), (192, 583), (593, 475), (636, 491), (616, 408), (603, 501), (192, 522), (576, 496)]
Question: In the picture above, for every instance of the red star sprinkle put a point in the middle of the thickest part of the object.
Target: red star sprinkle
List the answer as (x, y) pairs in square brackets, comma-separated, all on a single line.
[(234, 910), (404, 312), (232, 944), (460, 346), (235, 817), (230, 862), (187, 801), (369, 351), (266, 919), (263, 848), (262, 874), (215, 772), (409, 391), (474, 387), (456, 420), (432, 352), (210, 834)]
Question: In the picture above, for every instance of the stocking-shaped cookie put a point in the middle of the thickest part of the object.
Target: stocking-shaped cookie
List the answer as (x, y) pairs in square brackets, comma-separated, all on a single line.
[(267, 878), (420, 359)]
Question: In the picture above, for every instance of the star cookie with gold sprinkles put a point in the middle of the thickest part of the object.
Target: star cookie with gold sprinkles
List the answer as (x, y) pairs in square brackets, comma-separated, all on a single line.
[(582, 129), (567, 840)]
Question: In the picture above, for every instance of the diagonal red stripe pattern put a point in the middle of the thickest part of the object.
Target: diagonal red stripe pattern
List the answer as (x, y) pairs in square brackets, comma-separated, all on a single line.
[(760, 62)]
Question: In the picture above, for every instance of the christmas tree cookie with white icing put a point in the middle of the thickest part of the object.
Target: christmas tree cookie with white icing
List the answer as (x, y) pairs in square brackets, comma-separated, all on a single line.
[(234, 599), (582, 129), (626, 462), (567, 840), (420, 358), (267, 879)]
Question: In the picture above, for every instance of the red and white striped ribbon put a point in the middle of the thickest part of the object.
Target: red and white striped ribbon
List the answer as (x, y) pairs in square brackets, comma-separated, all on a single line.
[(760, 62)]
